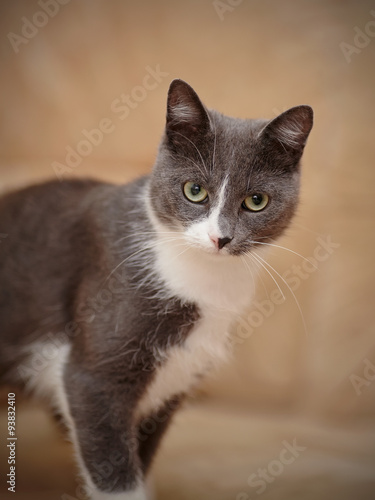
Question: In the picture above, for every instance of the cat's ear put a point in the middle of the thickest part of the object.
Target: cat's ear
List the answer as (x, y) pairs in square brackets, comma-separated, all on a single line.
[(290, 130), (186, 115)]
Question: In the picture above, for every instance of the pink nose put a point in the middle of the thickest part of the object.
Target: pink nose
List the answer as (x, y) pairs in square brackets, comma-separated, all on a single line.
[(220, 242)]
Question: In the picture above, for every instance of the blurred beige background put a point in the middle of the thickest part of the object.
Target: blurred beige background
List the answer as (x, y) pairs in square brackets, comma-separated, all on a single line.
[(312, 384)]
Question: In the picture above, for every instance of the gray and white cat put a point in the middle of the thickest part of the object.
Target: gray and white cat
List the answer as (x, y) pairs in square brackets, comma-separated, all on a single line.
[(115, 300)]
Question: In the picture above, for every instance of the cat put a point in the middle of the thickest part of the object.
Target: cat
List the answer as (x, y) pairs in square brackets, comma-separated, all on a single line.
[(116, 299)]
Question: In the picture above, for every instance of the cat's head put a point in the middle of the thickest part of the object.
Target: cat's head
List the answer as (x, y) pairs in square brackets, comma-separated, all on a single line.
[(225, 183)]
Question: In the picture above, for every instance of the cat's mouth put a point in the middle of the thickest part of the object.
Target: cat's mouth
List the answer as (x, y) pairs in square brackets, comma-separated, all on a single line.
[(218, 251)]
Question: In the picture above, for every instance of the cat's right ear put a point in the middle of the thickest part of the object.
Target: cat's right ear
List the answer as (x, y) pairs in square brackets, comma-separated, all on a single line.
[(186, 115)]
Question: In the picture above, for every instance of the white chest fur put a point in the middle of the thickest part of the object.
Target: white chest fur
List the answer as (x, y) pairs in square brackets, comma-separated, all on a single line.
[(221, 286), (182, 366)]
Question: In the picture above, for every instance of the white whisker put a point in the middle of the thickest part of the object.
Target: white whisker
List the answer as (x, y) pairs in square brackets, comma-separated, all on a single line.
[(248, 267), (259, 266), (200, 155), (256, 257), (195, 164), (146, 233), (286, 249), (145, 248), (289, 288), (214, 151)]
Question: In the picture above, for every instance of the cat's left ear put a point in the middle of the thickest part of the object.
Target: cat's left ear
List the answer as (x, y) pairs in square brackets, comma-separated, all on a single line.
[(186, 115), (290, 130)]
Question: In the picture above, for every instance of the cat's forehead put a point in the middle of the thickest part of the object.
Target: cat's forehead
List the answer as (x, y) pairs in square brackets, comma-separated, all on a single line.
[(235, 130), (234, 139), (233, 149)]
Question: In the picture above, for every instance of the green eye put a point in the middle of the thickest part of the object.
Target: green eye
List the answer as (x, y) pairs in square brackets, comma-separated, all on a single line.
[(194, 192), (256, 202)]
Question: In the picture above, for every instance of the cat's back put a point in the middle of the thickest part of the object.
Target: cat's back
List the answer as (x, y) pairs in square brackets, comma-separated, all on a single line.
[(39, 219), (23, 211), (42, 230)]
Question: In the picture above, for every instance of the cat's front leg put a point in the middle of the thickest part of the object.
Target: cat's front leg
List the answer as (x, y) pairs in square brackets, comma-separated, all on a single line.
[(137, 494), (100, 417), (151, 429)]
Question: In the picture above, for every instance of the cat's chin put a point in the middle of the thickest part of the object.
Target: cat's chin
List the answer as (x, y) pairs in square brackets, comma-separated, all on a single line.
[(224, 253), (213, 252)]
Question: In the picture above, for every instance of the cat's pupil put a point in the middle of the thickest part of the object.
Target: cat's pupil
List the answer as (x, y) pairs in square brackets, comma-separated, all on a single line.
[(195, 189), (257, 199)]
